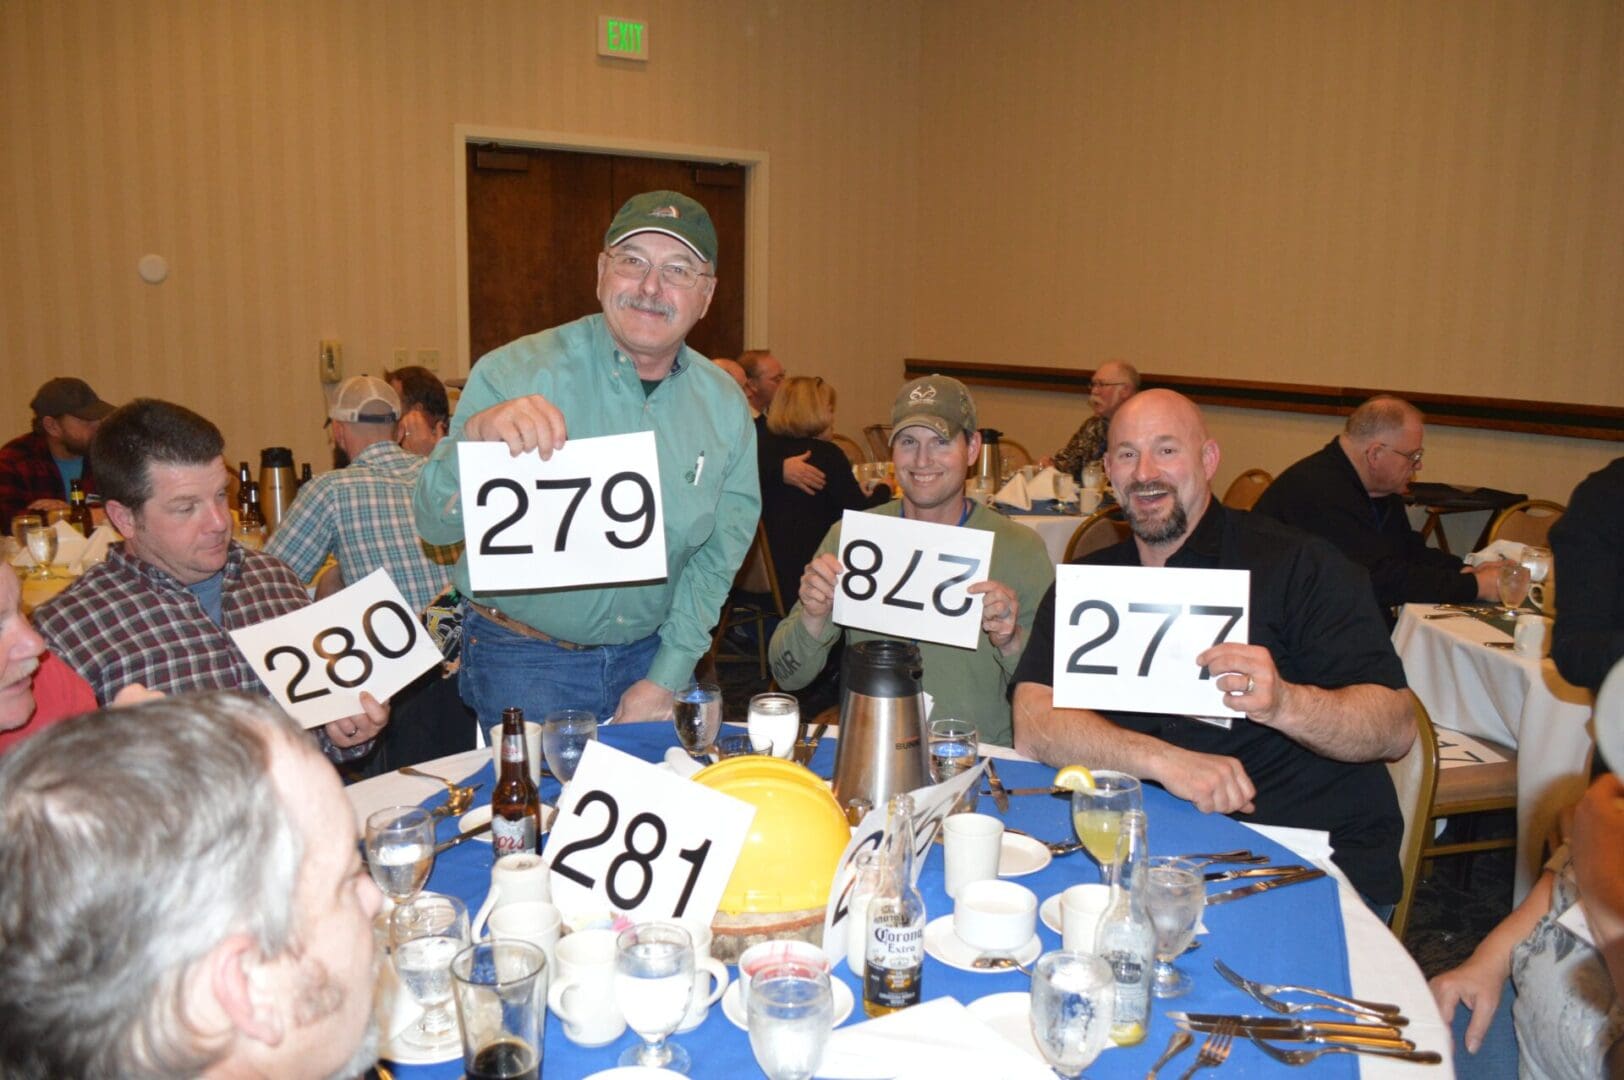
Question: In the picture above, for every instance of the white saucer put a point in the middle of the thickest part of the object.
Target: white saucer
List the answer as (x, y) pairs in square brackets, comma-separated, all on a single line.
[(944, 945), (1021, 855), (480, 815), (1049, 913), (631, 1072), (733, 1005), (1009, 1015), (399, 1051)]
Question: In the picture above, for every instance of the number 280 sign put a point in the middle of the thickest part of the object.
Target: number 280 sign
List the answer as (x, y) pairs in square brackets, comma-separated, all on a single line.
[(1126, 637)]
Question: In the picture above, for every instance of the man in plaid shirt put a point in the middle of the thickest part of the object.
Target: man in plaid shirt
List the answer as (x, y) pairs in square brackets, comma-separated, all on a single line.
[(159, 611), (36, 468), (362, 514)]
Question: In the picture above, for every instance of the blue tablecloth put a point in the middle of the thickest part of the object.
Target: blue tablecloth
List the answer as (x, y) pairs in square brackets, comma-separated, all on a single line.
[(1290, 935)]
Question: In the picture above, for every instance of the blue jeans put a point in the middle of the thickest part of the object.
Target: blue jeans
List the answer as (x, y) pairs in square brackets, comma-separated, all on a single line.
[(502, 669)]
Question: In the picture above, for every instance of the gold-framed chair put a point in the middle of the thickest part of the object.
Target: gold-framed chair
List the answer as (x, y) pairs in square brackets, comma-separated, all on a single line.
[(1101, 529), (1526, 522), (755, 599), (848, 446), (1013, 454), (879, 441), (1245, 490)]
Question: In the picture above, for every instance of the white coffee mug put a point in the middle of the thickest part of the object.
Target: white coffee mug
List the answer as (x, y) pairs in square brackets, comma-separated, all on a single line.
[(1082, 909), (515, 879), (1532, 635), (532, 747), (759, 956), (582, 994), (971, 845), (710, 978), (535, 921)]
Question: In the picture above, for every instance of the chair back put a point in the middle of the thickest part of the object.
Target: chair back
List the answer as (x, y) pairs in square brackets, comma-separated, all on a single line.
[(1527, 522), (1246, 489), (757, 574), (879, 441), (1013, 454), (849, 447), (1415, 778), (1098, 530)]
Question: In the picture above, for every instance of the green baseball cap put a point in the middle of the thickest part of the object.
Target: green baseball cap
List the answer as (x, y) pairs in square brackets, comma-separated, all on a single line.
[(667, 212), (939, 402)]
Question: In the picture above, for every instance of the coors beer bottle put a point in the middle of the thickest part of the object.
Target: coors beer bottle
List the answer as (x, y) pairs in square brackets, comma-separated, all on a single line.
[(515, 806)]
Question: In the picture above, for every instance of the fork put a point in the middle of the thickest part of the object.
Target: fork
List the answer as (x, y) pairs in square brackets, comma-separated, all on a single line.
[(1264, 993), (1215, 1051), (1303, 1057)]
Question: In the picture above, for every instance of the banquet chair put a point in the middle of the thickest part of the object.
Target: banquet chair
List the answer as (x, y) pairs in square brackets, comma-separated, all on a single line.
[(1246, 489), (1100, 529), (879, 440), (849, 447), (1526, 522), (1415, 779), (1013, 455), (755, 600)]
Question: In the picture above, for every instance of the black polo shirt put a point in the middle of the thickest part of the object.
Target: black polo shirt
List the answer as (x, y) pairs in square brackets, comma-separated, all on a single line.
[(1313, 610)]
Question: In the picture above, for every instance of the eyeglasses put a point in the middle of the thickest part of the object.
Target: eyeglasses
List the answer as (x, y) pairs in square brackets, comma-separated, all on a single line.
[(1414, 456), (1097, 384), (636, 268)]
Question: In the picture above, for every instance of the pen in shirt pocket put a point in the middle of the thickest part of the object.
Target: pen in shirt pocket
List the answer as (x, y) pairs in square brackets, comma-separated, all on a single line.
[(699, 467)]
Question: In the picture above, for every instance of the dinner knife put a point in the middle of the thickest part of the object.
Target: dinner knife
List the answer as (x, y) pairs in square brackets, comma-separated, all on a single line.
[(1263, 886), (477, 830), (1000, 796), (1279, 1029), (1028, 791), (1257, 872)]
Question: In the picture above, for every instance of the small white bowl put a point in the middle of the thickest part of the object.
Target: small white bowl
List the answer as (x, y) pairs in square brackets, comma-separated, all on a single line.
[(995, 916)]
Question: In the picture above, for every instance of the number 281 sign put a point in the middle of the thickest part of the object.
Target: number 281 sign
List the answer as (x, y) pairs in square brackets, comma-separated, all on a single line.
[(1126, 637), (588, 515)]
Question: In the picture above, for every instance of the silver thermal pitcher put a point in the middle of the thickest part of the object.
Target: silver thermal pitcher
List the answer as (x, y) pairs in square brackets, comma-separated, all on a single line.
[(276, 485), (882, 750), (991, 465)]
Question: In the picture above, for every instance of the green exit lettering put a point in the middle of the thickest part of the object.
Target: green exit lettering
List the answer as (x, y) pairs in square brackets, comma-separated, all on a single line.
[(625, 36)]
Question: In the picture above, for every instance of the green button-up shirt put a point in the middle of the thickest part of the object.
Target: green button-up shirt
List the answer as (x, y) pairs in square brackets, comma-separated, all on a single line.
[(696, 413)]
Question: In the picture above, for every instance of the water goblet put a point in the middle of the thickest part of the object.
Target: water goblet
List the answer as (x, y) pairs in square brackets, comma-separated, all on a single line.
[(697, 714), (790, 1013), (400, 850), (564, 735), (41, 540), (954, 745), (1539, 562), (1514, 581), (425, 936), (774, 719), (1073, 1004), (654, 977), (1175, 895), (1097, 815), (21, 523)]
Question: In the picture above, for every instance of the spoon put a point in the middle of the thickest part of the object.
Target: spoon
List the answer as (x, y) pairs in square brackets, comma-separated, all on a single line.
[(998, 962), (458, 796)]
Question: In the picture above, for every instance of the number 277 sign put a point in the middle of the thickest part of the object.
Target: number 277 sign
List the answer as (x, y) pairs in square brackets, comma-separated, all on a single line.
[(1126, 637)]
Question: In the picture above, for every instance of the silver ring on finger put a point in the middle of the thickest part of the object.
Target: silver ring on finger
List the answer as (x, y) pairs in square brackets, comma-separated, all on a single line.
[(1251, 684)]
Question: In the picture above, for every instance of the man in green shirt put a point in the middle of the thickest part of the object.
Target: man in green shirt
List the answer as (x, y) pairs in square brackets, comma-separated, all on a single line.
[(619, 651), (933, 441)]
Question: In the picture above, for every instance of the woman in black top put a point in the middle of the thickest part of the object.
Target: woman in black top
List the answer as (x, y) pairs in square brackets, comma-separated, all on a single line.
[(801, 418)]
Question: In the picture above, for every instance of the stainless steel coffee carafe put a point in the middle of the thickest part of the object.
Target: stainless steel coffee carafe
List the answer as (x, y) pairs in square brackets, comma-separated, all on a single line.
[(276, 485), (991, 464), (882, 750)]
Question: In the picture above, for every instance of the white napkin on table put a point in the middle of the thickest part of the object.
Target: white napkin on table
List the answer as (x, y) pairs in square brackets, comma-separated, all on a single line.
[(95, 551), (1509, 550), (1015, 493), (678, 761), (931, 1040), (1045, 485)]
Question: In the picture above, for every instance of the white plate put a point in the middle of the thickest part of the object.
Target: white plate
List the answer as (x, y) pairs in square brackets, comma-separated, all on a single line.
[(631, 1072), (943, 944), (1021, 855), (733, 1005), (1049, 912), (1011, 1016), (399, 1051), (479, 815)]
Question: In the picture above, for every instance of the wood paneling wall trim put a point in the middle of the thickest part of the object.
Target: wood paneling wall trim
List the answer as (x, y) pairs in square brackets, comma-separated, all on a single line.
[(1453, 410)]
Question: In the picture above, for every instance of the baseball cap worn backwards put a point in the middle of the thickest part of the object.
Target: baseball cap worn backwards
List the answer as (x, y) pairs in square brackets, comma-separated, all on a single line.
[(69, 397), (365, 399), (939, 402), (665, 212)]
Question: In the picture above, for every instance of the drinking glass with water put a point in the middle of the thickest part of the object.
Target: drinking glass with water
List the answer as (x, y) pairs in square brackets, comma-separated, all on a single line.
[(954, 746)]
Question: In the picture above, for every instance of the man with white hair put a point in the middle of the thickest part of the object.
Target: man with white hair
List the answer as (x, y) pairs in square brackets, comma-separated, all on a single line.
[(1114, 382), (190, 902)]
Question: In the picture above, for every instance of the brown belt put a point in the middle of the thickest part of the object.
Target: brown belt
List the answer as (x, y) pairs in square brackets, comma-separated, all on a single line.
[(507, 622)]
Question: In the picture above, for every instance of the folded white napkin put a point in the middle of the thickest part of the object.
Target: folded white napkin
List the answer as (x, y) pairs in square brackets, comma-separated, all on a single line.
[(931, 1040), (678, 761), (1015, 493), (95, 551), (1500, 549), (1045, 485)]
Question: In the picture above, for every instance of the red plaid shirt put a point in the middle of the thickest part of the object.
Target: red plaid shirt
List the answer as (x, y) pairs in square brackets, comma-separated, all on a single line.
[(29, 472), (126, 621)]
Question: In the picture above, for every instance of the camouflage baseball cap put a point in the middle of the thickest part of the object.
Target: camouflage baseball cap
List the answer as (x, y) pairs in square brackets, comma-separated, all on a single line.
[(939, 402)]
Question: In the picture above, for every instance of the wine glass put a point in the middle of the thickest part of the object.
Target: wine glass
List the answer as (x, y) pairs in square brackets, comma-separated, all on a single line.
[(1514, 580), (1097, 815), (654, 977), (564, 735), (773, 722), (1175, 894), (1073, 1004), (1539, 562), (954, 745), (41, 540), (697, 714), (400, 850), (424, 937), (790, 1013)]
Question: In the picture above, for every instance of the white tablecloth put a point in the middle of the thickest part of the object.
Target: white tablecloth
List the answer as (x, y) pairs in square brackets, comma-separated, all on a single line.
[(1053, 529), (1515, 700)]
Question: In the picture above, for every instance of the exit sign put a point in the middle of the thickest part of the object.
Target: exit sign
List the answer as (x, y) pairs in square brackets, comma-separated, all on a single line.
[(623, 39)]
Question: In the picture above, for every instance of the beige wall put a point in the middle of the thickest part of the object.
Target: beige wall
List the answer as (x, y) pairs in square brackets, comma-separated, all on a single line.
[(1419, 193)]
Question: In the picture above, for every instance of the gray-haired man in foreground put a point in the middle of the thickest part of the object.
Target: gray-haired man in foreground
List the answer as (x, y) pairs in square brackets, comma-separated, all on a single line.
[(190, 902)]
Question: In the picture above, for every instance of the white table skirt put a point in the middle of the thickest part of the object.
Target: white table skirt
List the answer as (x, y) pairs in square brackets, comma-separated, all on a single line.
[(1055, 531), (1514, 700)]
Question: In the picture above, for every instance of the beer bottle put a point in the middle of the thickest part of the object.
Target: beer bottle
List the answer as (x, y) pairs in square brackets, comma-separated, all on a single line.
[(304, 475), (1127, 940), (250, 526), (895, 953), (243, 480), (515, 806), (78, 509)]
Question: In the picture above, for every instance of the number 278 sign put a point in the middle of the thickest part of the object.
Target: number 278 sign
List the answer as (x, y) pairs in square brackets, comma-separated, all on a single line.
[(1126, 637)]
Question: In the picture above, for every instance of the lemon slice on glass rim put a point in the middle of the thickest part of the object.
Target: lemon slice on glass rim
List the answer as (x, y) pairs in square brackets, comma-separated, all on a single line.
[(1074, 778)]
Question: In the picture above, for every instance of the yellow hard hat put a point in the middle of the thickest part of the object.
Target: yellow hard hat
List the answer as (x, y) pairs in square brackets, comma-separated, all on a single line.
[(789, 858)]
